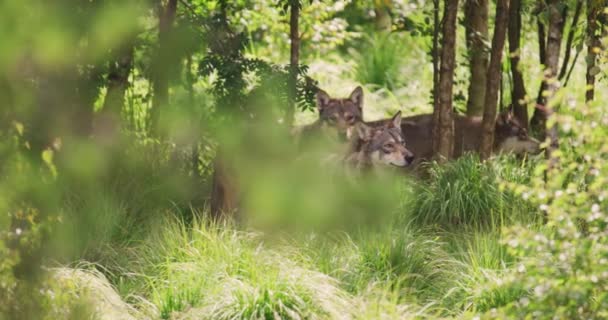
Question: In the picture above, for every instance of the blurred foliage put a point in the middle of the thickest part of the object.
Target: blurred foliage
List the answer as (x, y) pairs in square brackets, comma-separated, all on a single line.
[(321, 30), (74, 187), (563, 267), (379, 62)]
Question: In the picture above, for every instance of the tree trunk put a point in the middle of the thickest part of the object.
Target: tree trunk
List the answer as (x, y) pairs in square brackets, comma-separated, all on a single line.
[(593, 45), (518, 95), (294, 58), (536, 123), (224, 200), (494, 78), (551, 62), (109, 120), (554, 42), (570, 39), (118, 81), (166, 16), (445, 147), (436, 60), (382, 12), (476, 24), (87, 91)]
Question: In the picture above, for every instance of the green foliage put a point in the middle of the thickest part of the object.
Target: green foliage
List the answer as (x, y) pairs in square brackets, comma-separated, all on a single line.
[(321, 29), (481, 263), (72, 188), (380, 61), (407, 262), (242, 279), (563, 266), (467, 192)]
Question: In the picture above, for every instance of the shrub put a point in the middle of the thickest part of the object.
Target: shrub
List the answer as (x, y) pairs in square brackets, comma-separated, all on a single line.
[(563, 266)]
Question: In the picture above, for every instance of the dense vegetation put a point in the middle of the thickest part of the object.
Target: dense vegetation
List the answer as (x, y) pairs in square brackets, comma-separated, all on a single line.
[(121, 119)]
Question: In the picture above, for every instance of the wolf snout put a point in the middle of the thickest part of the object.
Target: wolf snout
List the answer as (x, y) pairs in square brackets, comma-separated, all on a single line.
[(409, 158)]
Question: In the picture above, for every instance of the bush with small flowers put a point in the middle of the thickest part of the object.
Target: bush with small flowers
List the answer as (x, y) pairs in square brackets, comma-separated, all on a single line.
[(564, 266)]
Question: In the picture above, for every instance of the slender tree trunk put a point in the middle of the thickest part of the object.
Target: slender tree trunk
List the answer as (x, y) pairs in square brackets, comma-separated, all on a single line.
[(87, 92), (7, 113), (194, 147), (549, 56), (225, 195), (494, 78), (476, 23), (593, 46), (518, 95), (537, 119), (109, 120), (382, 11), (577, 13), (445, 147), (118, 81), (436, 65), (542, 41), (294, 58), (554, 42), (166, 16)]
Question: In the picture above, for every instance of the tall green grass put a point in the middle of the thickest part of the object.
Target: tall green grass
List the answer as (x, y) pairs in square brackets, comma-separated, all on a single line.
[(482, 264), (207, 270), (109, 200), (403, 267), (467, 192), (216, 272), (380, 60)]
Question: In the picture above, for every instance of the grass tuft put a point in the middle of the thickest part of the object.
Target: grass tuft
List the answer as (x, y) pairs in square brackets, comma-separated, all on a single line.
[(216, 272), (380, 61), (467, 192)]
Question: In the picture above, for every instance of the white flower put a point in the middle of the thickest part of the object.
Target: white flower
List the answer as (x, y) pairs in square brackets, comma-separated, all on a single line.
[(18, 231), (539, 291)]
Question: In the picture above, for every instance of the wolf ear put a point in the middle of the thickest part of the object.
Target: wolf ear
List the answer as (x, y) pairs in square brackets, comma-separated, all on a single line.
[(504, 117), (364, 132), (322, 99), (357, 97), (395, 121)]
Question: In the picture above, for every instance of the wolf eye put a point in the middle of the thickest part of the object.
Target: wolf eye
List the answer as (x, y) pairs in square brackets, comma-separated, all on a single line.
[(387, 148)]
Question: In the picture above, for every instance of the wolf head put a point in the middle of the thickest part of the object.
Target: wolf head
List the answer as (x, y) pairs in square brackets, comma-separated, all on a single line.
[(384, 145), (340, 115), (511, 136)]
